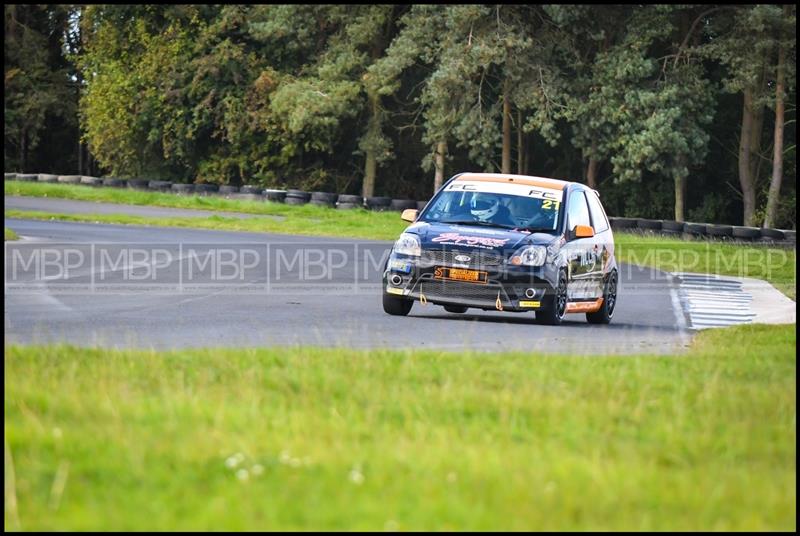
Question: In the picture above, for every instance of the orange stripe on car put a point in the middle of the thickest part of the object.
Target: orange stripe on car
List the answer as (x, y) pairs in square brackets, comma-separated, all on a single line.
[(541, 182), (585, 307)]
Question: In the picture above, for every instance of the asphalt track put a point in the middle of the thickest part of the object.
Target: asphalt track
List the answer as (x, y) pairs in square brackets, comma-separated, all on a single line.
[(135, 286)]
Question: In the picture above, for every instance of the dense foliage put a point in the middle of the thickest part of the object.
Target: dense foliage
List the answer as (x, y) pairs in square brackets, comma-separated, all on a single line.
[(668, 110)]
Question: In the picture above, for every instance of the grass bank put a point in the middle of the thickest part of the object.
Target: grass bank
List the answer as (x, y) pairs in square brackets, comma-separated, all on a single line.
[(304, 439), (10, 235)]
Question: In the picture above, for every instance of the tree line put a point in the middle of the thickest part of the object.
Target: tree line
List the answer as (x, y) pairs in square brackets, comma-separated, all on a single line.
[(680, 112)]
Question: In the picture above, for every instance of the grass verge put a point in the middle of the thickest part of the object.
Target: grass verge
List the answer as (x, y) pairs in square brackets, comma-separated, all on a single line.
[(304, 439), (10, 235)]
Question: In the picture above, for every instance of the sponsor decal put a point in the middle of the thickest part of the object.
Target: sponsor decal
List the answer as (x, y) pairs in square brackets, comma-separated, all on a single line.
[(400, 266), (585, 307), (392, 290), (480, 241), (458, 274), (530, 304), (462, 258)]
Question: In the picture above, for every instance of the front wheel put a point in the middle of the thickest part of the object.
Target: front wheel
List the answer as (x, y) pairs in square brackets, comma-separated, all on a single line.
[(396, 306), (553, 313), (606, 311)]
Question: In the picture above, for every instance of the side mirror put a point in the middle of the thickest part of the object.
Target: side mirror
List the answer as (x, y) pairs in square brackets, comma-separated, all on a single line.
[(583, 231), (409, 214)]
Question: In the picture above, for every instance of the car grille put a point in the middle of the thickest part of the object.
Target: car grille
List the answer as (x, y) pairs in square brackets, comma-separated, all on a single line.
[(454, 290), (477, 258)]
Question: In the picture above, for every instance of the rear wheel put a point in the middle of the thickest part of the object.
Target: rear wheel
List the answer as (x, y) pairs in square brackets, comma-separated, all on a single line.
[(455, 308), (396, 306), (606, 311), (553, 313)]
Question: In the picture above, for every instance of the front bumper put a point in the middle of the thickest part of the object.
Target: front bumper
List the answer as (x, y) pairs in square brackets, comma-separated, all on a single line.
[(505, 287)]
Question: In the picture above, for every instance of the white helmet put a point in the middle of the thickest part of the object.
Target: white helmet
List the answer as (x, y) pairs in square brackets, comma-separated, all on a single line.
[(484, 205)]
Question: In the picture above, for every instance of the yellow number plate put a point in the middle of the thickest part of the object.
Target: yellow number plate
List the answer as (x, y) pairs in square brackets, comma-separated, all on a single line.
[(458, 274), (530, 304)]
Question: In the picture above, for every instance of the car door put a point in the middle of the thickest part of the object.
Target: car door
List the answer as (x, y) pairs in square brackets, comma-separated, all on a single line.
[(581, 260), (603, 239)]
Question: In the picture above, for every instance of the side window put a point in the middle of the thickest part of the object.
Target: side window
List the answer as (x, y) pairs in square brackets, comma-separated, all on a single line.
[(599, 220), (577, 211)]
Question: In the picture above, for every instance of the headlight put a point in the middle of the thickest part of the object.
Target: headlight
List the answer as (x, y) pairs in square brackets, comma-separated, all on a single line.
[(530, 256), (408, 244)]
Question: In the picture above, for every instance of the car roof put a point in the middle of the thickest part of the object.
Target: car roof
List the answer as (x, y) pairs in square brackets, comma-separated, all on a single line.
[(542, 182)]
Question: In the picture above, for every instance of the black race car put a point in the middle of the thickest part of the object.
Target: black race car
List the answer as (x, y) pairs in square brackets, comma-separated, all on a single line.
[(506, 243)]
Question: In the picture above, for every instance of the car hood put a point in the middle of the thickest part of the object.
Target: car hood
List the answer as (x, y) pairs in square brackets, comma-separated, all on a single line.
[(434, 235)]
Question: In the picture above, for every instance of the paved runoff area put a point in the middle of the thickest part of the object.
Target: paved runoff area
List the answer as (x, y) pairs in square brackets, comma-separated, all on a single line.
[(711, 301)]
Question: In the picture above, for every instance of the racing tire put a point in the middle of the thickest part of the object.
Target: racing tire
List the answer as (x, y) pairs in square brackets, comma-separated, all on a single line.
[(347, 206), (455, 308), (396, 306), (402, 204), (276, 196), (606, 311), (378, 203), (553, 313)]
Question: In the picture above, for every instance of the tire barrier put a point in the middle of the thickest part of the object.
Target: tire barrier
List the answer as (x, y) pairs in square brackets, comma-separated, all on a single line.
[(91, 181), (347, 199), (138, 184), (183, 189), (671, 226), (115, 183), (299, 194), (323, 199), (648, 225), (697, 229), (159, 186), (276, 196), (746, 233), (402, 204), (381, 203), (206, 189), (719, 230), (378, 203), (774, 234), (225, 189), (251, 189), (622, 223)]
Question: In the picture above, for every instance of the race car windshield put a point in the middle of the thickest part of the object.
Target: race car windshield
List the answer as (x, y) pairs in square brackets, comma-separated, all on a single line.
[(496, 209)]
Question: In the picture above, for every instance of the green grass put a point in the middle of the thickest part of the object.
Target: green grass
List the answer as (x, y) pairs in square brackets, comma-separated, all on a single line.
[(271, 439), (10, 235)]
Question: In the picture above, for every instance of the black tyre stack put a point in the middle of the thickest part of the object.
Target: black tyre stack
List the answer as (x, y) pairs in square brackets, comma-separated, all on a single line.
[(46, 177), (276, 196), (206, 189), (159, 186), (622, 224), (378, 203), (719, 231), (347, 202), (648, 226), (91, 181), (323, 199), (694, 229), (297, 197), (111, 182), (68, 179), (138, 184), (746, 233), (183, 189), (671, 227), (402, 204), (227, 189)]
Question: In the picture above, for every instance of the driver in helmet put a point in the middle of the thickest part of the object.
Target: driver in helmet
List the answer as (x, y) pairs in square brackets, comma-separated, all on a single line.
[(486, 207)]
